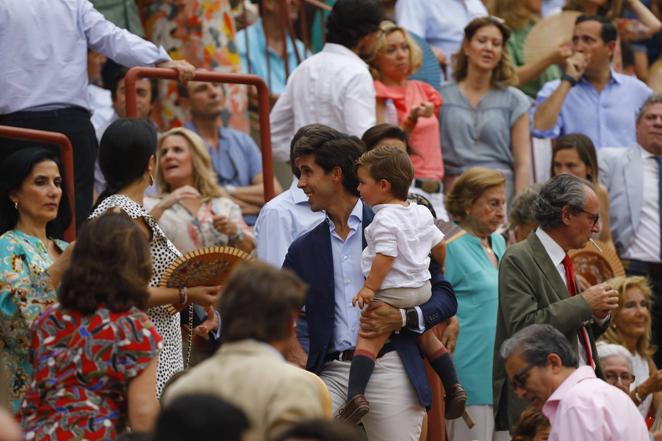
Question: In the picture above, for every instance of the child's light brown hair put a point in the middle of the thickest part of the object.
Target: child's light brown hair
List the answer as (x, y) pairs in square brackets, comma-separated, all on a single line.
[(391, 164)]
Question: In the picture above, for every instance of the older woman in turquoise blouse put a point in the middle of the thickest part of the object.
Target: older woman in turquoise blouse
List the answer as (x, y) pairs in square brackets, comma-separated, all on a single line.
[(33, 212), (476, 202)]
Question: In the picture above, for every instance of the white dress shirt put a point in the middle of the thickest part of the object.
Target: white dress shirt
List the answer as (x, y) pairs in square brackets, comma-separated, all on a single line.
[(333, 87), (646, 244), (556, 254), (282, 220), (44, 47)]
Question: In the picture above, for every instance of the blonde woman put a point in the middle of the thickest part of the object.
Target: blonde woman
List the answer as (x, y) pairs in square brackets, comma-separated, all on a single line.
[(416, 104), (630, 326), (191, 208), (484, 119), (520, 16)]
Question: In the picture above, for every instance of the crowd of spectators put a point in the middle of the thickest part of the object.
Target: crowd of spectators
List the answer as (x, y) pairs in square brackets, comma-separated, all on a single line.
[(410, 251)]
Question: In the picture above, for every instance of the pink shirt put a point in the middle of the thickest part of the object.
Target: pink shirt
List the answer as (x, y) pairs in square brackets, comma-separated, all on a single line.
[(425, 139), (584, 407)]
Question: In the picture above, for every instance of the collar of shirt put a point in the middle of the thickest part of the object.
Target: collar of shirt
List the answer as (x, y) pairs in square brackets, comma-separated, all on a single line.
[(354, 222), (257, 31), (645, 154), (612, 78), (552, 403), (269, 348), (335, 48), (553, 249)]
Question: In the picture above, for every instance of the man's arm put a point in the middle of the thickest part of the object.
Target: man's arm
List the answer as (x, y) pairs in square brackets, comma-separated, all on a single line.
[(282, 125), (519, 302), (359, 105), (273, 235)]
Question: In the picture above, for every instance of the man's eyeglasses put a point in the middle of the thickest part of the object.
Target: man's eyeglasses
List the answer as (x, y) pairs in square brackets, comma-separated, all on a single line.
[(519, 378), (625, 378), (594, 217)]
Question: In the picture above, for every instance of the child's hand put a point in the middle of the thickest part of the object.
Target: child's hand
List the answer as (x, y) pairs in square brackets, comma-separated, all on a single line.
[(364, 296)]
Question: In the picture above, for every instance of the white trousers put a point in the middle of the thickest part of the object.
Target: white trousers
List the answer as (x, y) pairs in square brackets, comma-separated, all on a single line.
[(395, 413), (483, 416)]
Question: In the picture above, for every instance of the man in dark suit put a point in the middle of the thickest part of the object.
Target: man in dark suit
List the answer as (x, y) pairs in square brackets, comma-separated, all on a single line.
[(328, 259), (537, 284)]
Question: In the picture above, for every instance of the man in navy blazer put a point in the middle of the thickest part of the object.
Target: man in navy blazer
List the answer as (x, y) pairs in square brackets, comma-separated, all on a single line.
[(328, 259)]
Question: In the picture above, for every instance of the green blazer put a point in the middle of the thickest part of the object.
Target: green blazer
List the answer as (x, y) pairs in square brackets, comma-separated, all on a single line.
[(532, 291)]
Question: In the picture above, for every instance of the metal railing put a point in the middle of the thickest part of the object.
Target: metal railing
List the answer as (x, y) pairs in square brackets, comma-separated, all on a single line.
[(215, 77), (66, 157)]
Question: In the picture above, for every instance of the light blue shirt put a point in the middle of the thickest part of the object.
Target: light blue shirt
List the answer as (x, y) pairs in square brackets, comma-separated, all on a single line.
[(347, 279), (607, 117), (258, 61), (282, 220), (44, 47), (440, 22)]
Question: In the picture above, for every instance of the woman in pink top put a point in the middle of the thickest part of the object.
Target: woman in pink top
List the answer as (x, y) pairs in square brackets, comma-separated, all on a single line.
[(412, 105)]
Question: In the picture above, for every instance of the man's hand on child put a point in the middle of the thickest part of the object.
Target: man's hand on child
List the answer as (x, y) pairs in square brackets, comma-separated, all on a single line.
[(364, 296)]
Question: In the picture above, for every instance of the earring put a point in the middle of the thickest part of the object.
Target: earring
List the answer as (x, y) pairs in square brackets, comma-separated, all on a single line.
[(16, 205), (151, 179)]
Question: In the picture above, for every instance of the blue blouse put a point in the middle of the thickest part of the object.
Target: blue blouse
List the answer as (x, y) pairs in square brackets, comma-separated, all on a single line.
[(475, 281)]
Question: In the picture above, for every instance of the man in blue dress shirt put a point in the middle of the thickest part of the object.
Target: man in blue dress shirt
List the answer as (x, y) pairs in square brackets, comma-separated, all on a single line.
[(43, 76), (591, 98)]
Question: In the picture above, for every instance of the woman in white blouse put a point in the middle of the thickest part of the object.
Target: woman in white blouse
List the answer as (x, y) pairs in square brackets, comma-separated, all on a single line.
[(191, 208)]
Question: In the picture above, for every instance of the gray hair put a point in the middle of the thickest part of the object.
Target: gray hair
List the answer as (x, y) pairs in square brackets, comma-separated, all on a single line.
[(607, 350), (655, 98), (522, 208), (535, 342), (558, 192)]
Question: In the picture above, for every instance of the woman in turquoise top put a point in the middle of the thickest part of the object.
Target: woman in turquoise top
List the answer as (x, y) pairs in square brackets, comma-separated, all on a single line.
[(33, 212), (476, 202)]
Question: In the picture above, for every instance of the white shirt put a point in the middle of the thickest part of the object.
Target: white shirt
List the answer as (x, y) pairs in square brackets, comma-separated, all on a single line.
[(646, 244), (407, 234), (440, 22), (282, 220), (333, 87), (44, 47), (641, 371), (556, 254)]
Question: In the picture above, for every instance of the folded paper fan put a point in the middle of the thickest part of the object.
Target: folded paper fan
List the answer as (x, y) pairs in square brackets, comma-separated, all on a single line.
[(548, 34), (209, 266), (592, 266)]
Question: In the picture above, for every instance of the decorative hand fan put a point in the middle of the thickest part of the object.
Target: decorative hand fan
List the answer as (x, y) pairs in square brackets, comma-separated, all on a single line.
[(548, 34), (209, 266), (594, 266)]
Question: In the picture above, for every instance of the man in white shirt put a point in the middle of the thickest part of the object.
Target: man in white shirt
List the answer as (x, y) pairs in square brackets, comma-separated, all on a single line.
[(537, 283), (633, 182), (333, 87), (43, 76), (543, 368), (440, 22), (288, 215)]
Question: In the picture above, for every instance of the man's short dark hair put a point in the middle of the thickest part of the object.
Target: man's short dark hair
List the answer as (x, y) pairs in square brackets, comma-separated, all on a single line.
[(311, 134), (375, 134), (608, 31), (258, 303), (118, 75), (351, 20), (342, 152)]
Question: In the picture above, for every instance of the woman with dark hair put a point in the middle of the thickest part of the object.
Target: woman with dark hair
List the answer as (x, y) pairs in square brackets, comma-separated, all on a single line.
[(33, 212), (575, 154), (95, 353), (126, 158), (484, 119)]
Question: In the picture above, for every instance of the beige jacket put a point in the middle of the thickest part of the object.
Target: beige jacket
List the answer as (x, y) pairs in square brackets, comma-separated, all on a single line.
[(273, 393)]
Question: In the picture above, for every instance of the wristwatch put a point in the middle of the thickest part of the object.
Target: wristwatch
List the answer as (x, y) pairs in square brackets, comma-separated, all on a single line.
[(569, 79), (412, 318)]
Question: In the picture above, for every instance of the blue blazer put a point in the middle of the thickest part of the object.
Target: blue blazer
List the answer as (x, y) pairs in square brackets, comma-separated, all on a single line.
[(310, 257)]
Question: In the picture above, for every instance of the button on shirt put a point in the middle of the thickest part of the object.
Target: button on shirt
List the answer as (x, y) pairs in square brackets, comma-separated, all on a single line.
[(584, 407), (646, 243), (333, 87), (347, 279), (44, 50), (607, 117), (440, 22), (282, 220)]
